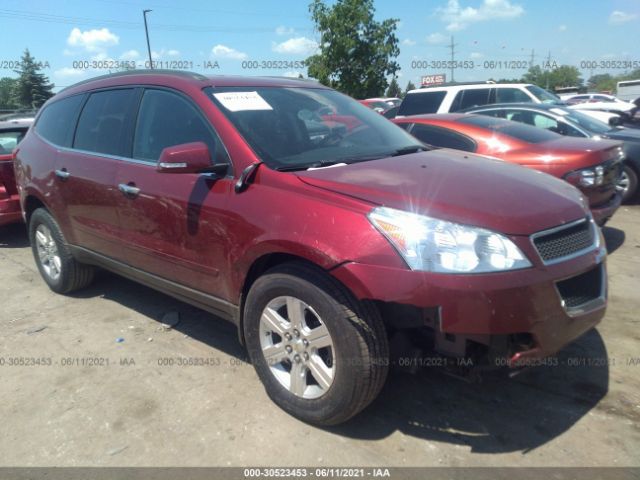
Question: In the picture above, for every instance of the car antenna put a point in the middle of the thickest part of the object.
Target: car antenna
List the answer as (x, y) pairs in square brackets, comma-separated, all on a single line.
[(246, 177)]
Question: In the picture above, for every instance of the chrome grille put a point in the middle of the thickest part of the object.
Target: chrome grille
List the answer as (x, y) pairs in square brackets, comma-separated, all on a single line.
[(565, 241)]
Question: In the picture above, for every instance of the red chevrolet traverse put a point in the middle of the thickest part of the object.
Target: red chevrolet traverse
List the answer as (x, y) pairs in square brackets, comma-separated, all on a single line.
[(320, 248)]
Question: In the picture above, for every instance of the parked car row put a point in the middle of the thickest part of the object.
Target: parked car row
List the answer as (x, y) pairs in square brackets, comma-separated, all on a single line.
[(325, 233), (534, 106), (461, 96)]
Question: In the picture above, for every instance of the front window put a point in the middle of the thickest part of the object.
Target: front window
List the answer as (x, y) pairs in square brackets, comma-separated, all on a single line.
[(543, 95), (585, 121), (514, 129), (289, 128)]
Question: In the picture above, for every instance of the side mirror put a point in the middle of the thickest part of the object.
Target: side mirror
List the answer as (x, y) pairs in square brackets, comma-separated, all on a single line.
[(188, 158), (615, 121)]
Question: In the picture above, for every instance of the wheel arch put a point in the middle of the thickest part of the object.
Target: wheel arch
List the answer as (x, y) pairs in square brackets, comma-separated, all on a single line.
[(268, 260)]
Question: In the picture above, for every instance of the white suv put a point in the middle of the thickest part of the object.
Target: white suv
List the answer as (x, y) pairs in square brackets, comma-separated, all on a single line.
[(452, 98)]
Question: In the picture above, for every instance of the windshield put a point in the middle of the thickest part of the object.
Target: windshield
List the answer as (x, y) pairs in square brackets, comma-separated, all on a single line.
[(293, 128), (543, 95), (585, 121), (515, 130)]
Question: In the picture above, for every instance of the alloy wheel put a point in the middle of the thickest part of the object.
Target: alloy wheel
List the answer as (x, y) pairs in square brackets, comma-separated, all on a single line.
[(623, 183), (48, 252), (298, 347)]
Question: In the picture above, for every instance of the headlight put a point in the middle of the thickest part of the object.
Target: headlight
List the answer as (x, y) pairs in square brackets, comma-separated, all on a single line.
[(587, 177), (433, 245)]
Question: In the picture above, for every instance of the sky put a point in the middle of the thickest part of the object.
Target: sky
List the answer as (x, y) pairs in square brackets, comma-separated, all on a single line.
[(79, 39)]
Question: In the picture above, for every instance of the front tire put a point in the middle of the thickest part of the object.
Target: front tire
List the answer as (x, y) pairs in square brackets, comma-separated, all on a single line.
[(628, 183), (321, 354), (59, 269)]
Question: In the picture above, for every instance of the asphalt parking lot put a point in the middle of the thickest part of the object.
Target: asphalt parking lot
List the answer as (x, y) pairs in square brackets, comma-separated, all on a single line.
[(72, 394)]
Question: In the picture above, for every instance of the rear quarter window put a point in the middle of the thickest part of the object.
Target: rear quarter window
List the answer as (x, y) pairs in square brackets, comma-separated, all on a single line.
[(423, 102), (58, 119)]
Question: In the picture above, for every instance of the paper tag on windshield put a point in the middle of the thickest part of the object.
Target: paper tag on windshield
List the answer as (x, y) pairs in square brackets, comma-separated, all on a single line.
[(241, 101)]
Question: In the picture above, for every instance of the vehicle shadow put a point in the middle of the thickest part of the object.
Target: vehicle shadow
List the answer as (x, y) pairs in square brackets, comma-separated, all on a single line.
[(14, 236), (497, 415), (614, 238)]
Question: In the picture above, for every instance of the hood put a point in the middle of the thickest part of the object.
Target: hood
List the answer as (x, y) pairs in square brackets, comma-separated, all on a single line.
[(459, 187)]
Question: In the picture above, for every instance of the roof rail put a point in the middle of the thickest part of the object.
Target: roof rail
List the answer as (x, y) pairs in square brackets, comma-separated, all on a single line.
[(453, 84), (177, 73)]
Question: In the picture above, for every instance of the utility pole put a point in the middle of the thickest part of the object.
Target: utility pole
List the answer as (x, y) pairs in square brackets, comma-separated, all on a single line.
[(533, 58), (453, 52), (146, 31), (547, 68)]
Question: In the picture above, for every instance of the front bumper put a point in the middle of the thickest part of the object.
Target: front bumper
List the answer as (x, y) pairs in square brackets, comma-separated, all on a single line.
[(506, 303), (602, 213), (10, 211)]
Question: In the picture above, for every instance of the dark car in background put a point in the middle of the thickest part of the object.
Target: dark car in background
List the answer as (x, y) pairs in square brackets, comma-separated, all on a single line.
[(11, 133), (594, 167), (321, 251), (573, 123)]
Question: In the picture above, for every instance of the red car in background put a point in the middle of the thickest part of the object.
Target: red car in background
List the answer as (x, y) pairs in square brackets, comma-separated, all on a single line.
[(376, 104), (593, 167), (11, 133)]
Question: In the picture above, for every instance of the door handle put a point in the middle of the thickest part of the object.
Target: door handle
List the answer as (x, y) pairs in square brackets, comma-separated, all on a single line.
[(129, 190), (62, 174)]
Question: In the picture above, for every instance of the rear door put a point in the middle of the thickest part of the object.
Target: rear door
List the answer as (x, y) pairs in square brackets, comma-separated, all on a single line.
[(172, 224), (86, 172)]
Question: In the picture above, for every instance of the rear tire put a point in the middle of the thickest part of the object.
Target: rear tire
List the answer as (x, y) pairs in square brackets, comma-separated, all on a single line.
[(345, 361), (59, 269)]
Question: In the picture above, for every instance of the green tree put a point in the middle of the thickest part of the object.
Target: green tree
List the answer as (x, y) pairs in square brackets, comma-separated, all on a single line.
[(534, 75), (410, 86), (357, 53), (7, 86), (602, 81), (562, 76), (394, 89), (33, 87)]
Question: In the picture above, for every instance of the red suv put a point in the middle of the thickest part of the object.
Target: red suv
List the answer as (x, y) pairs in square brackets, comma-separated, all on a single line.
[(322, 249)]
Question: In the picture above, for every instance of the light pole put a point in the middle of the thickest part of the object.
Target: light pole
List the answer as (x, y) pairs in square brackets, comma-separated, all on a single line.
[(146, 31)]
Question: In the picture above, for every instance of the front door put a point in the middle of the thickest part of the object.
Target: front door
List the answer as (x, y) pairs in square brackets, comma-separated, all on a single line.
[(172, 224)]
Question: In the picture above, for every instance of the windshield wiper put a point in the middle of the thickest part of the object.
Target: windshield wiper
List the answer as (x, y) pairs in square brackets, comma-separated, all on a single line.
[(408, 150), (304, 166)]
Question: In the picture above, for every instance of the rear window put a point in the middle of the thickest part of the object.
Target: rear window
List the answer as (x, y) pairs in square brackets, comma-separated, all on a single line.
[(516, 130), (57, 120), (419, 103), (9, 139), (102, 127)]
